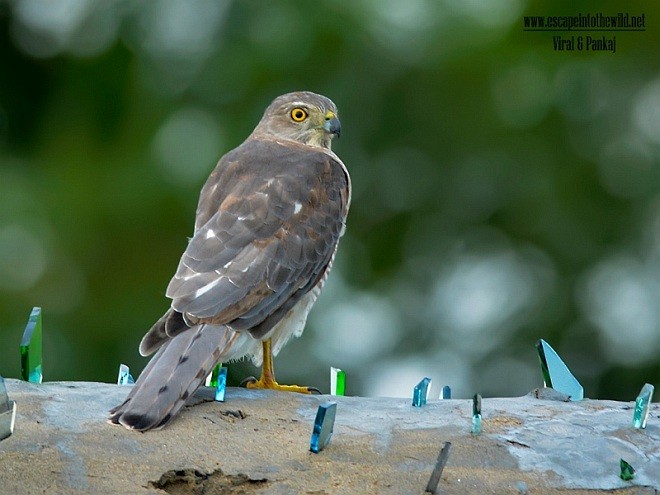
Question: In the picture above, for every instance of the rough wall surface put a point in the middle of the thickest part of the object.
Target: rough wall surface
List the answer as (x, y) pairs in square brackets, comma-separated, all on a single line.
[(257, 442)]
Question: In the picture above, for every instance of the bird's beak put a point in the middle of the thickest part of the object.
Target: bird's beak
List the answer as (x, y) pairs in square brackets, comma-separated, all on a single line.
[(332, 124)]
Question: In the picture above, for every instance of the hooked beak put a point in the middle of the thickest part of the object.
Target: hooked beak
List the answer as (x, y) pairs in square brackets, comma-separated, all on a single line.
[(332, 124)]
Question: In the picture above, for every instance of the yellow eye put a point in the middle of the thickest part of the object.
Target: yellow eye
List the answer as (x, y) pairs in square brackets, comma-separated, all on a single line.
[(298, 114)]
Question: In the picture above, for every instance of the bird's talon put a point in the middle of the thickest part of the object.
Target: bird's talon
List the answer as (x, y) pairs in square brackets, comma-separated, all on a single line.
[(267, 380), (270, 384), (250, 379)]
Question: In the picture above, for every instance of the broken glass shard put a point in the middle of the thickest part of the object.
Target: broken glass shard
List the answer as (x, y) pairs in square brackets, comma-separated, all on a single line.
[(432, 485), (556, 374), (124, 377), (7, 412), (421, 392), (337, 381), (476, 414), (212, 379), (627, 471), (642, 406), (4, 397), (31, 348), (221, 384), (446, 392), (323, 426)]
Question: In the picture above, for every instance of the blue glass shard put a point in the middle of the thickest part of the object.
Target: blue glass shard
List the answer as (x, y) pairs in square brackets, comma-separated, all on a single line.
[(31, 348), (476, 414), (337, 382), (221, 387), (124, 377), (7, 412), (642, 406), (556, 374), (476, 424), (446, 392), (421, 392), (323, 426)]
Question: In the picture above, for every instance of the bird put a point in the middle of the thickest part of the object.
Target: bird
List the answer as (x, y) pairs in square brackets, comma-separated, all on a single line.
[(267, 226)]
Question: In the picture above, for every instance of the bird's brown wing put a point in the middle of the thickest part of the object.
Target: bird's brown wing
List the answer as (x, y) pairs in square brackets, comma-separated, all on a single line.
[(268, 222)]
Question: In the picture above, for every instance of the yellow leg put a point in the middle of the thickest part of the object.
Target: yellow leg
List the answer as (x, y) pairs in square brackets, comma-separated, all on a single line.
[(267, 379)]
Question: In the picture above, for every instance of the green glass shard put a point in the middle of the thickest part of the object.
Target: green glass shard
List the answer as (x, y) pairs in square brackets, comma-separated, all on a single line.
[(31, 348), (421, 392), (212, 379), (642, 406), (124, 377), (221, 384), (337, 382), (627, 471), (556, 374), (324, 424), (7, 412), (476, 414)]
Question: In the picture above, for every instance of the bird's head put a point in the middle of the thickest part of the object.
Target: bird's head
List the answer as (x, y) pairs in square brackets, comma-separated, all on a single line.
[(303, 116)]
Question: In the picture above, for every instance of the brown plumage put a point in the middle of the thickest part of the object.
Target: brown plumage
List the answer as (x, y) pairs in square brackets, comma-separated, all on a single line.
[(266, 231)]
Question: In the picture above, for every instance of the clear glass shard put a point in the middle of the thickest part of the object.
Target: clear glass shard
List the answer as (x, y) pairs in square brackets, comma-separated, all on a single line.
[(337, 382), (31, 348), (212, 379), (476, 414), (421, 392), (627, 471), (124, 377), (4, 397), (7, 421), (446, 392), (7, 412), (642, 406), (221, 384), (556, 374), (323, 427)]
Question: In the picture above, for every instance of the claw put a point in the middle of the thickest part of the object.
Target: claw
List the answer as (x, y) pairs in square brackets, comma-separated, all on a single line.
[(244, 383), (273, 385)]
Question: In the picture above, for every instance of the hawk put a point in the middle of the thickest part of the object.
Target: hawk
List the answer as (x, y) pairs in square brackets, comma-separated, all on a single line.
[(267, 226)]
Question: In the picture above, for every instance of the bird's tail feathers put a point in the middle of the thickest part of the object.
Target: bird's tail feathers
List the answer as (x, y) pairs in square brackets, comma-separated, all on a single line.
[(178, 369)]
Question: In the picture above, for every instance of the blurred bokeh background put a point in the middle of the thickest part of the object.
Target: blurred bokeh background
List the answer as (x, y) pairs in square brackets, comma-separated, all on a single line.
[(503, 191)]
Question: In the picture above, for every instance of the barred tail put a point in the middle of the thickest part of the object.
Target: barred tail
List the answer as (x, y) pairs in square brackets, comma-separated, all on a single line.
[(178, 369)]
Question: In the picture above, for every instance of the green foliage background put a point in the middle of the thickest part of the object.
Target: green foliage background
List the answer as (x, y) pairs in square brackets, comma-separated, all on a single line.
[(503, 191)]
